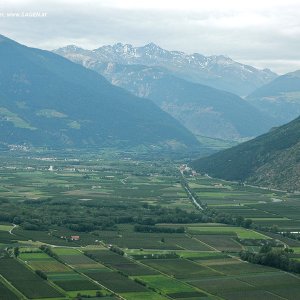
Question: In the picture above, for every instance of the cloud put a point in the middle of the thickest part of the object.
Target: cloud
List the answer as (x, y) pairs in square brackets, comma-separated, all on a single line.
[(265, 33)]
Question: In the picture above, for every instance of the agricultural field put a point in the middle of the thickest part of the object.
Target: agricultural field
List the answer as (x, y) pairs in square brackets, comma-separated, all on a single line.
[(265, 207), (120, 263), (180, 268), (115, 281), (77, 260), (7, 293), (111, 226), (241, 233), (27, 282), (6, 228), (167, 285), (143, 295)]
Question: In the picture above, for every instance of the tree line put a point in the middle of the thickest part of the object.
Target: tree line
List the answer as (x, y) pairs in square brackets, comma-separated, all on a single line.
[(277, 258)]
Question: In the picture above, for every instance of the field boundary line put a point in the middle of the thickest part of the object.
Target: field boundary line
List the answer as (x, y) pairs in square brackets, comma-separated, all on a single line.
[(262, 289), (207, 245), (174, 278), (26, 265), (95, 281), (11, 287)]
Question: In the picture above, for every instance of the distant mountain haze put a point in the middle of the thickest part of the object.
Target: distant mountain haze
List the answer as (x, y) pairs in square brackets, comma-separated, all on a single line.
[(280, 98), (202, 109), (46, 99), (216, 71)]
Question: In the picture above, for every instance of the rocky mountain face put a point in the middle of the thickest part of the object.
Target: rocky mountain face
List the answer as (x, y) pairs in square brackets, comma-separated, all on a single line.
[(203, 110), (217, 71)]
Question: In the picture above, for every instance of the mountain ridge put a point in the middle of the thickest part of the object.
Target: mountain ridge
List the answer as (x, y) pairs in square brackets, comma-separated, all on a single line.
[(217, 71)]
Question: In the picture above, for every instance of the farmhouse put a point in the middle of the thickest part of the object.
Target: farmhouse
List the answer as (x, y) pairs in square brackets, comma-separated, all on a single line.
[(75, 237)]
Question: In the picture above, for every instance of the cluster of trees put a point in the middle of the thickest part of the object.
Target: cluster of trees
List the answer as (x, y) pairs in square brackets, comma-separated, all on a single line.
[(170, 255), (42, 274), (81, 296), (290, 235), (260, 242), (16, 251), (100, 215), (277, 258), (225, 218), (150, 229), (49, 251), (4, 216), (117, 250), (92, 215), (154, 214)]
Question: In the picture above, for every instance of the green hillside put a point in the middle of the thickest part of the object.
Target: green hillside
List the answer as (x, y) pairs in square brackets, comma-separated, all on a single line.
[(47, 100), (271, 160)]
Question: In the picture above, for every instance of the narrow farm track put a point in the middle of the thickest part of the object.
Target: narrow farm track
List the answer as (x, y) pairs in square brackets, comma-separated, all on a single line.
[(10, 231), (187, 189), (189, 192)]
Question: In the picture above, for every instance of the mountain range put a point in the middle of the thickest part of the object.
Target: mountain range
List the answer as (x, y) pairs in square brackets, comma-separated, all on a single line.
[(46, 99), (217, 71), (204, 110), (270, 160)]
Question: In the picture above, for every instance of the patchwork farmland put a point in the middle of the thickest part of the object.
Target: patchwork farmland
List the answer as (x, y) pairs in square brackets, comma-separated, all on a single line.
[(114, 227)]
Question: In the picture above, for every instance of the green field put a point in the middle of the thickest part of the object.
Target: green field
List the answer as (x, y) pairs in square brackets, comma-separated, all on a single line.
[(6, 227), (180, 268), (143, 295), (77, 285), (166, 284), (6, 293), (26, 281), (120, 263), (241, 233), (116, 282)]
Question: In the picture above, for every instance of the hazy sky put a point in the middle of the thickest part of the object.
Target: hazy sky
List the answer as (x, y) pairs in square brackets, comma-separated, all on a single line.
[(264, 33)]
